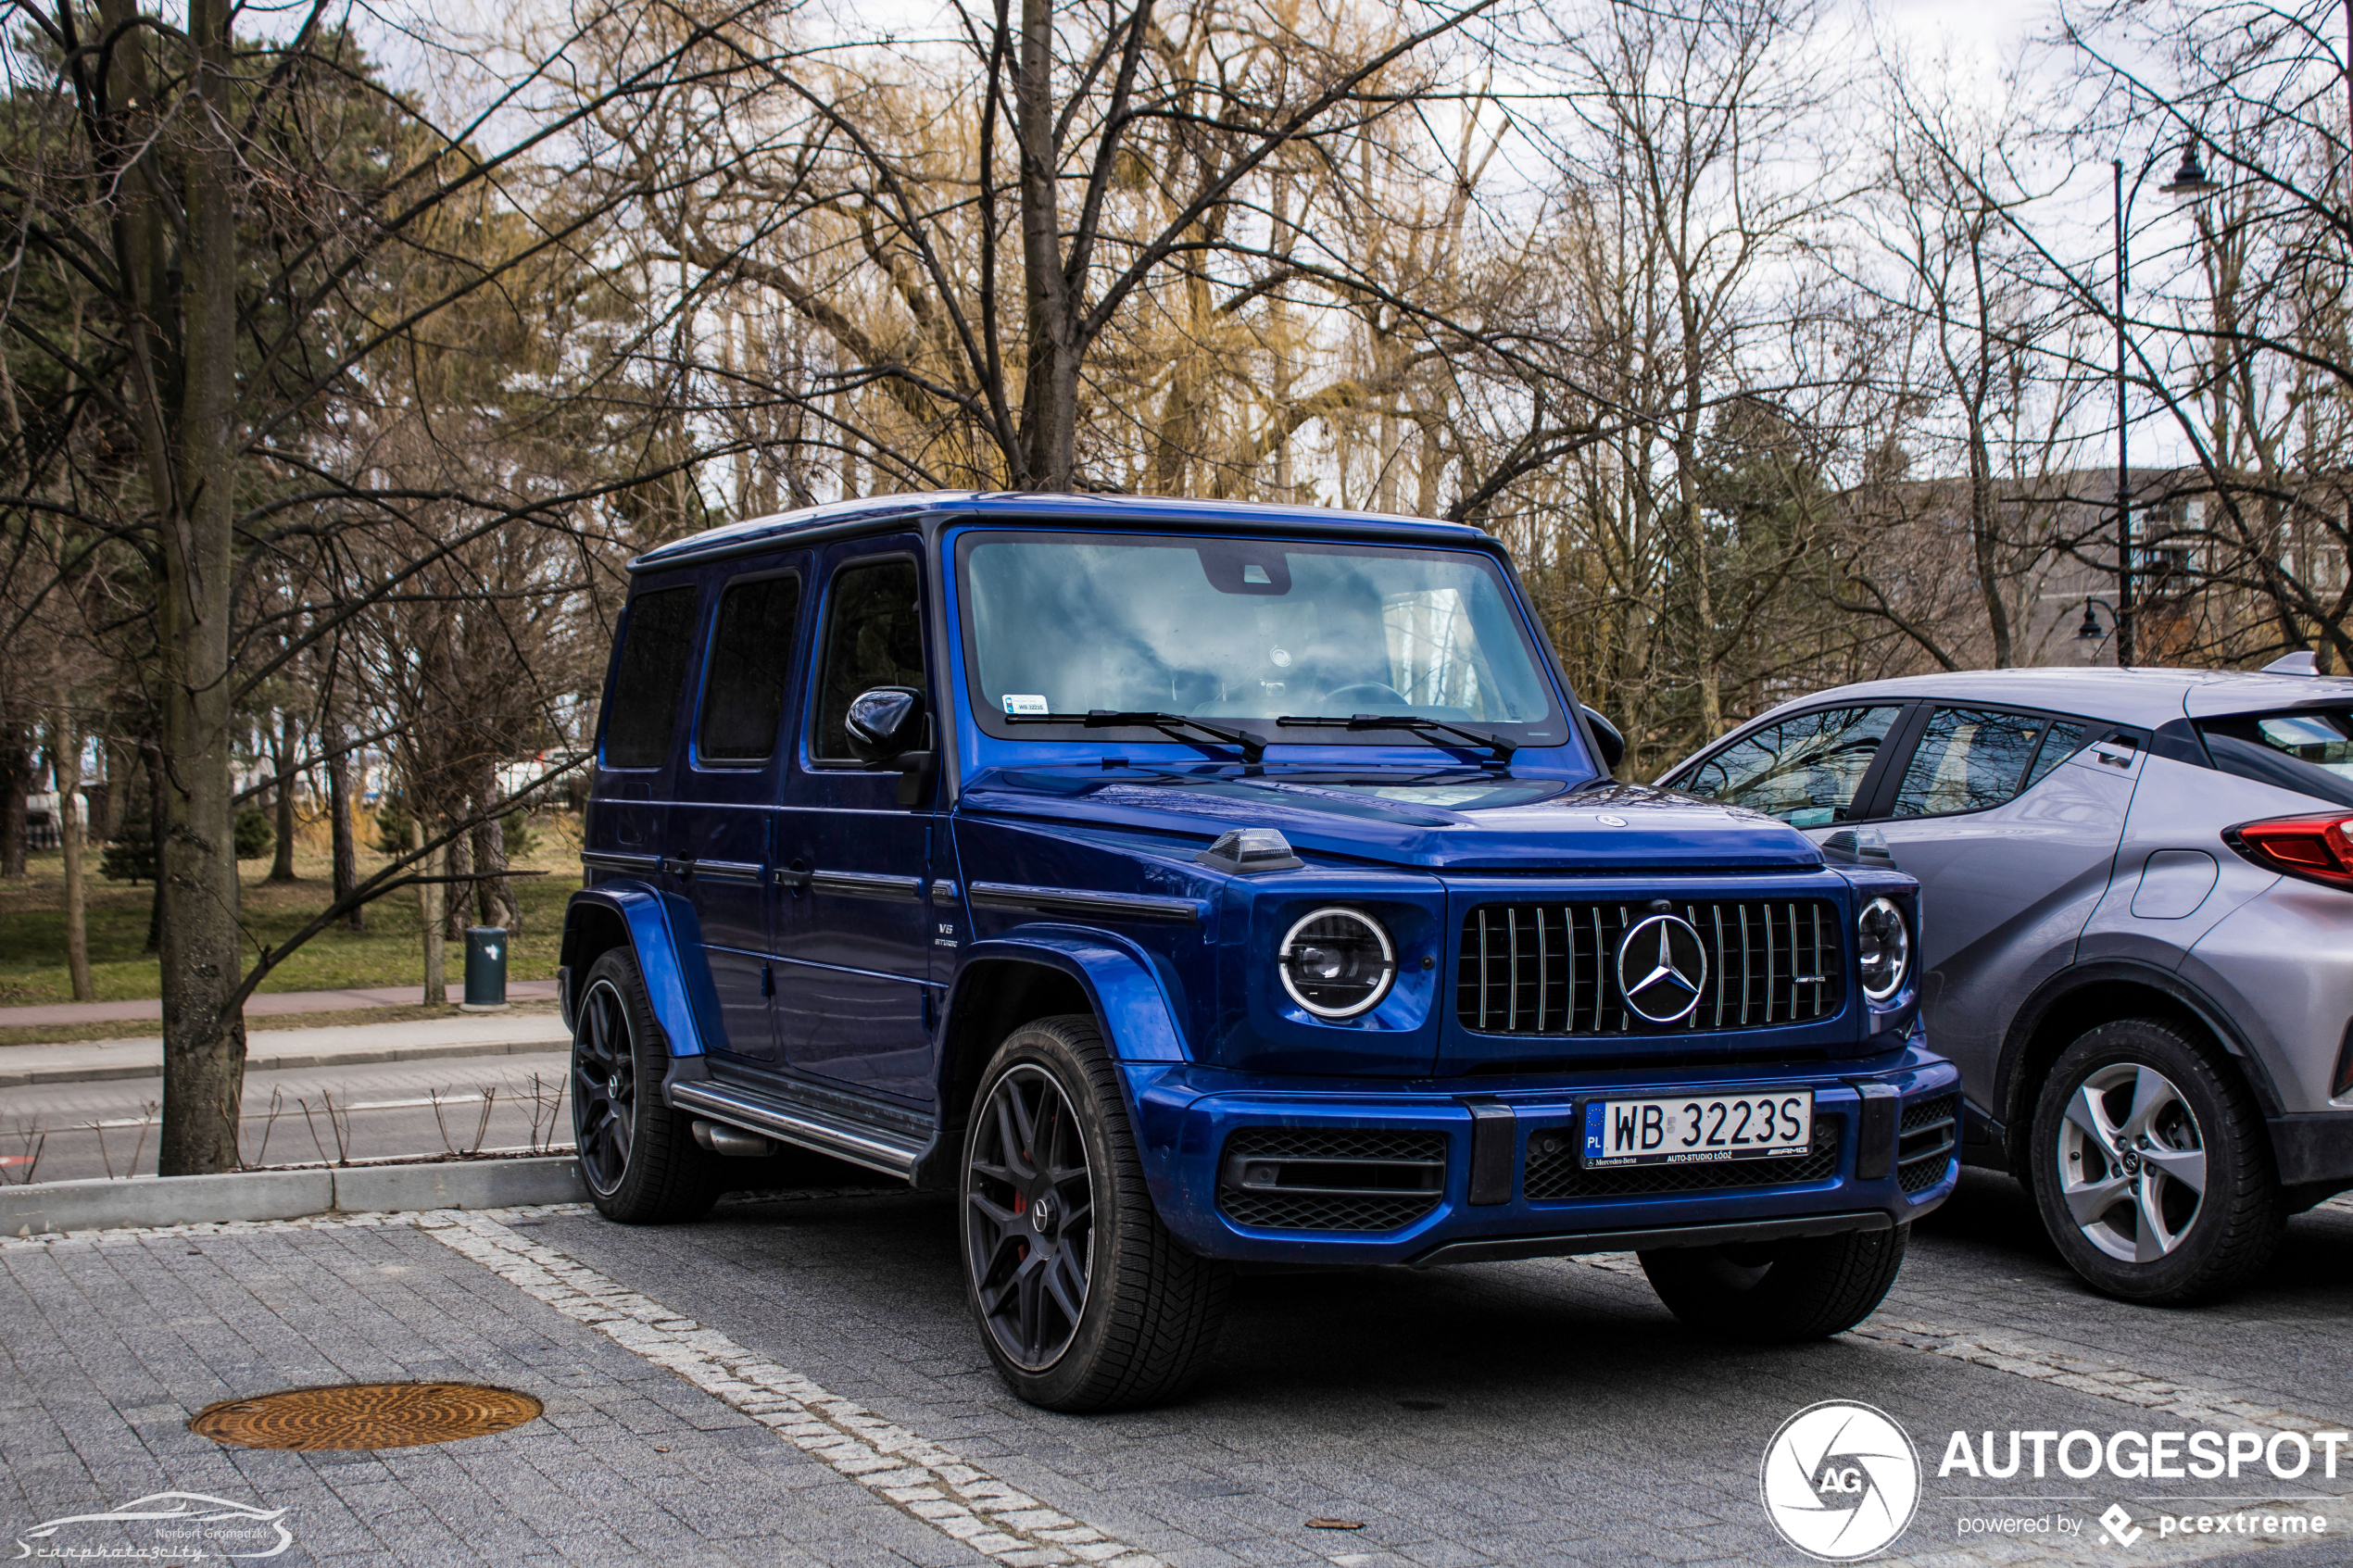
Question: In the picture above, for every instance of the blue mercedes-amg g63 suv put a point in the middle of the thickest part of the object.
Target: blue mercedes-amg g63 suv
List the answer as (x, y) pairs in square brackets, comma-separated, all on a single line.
[(1188, 885)]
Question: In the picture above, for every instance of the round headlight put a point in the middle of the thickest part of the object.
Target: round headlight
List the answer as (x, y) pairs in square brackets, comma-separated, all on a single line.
[(1885, 946), (1337, 963)]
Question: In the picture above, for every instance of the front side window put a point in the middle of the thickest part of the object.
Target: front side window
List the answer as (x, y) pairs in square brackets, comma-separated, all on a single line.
[(649, 674), (1968, 760), (2309, 751), (1804, 771), (874, 637), (1248, 630), (751, 647)]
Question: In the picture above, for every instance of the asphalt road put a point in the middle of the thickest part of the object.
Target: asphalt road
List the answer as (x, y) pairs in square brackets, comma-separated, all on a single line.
[(105, 1128)]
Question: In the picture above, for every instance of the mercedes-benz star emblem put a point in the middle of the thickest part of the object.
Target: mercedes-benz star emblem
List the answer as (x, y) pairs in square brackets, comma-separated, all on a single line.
[(1662, 968)]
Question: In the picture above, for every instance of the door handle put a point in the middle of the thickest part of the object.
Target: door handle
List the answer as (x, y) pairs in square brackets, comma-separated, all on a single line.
[(794, 876)]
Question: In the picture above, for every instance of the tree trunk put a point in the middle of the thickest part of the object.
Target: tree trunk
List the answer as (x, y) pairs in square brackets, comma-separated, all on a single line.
[(346, 851), (282, 759), (429, 907), (1050, 392), (121, 762), (204, 1044), (457, 859), (65, 762), (16, 786), (151, 760), (495, 898)]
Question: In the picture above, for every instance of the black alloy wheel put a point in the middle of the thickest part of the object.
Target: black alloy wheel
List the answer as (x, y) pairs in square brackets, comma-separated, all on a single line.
[(1030, 1220), (1085, 1300), (604, 1089), (638, 1155)]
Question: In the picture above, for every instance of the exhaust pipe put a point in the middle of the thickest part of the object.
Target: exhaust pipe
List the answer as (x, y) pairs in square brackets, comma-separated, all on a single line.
[(731, 1140)]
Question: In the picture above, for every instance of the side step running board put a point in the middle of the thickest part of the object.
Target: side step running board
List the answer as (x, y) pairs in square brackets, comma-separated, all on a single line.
[(876, 1148)]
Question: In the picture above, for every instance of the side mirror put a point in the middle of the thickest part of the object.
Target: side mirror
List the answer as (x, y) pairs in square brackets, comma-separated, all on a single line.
[(885, 723), (1605, 736), (885, 727)]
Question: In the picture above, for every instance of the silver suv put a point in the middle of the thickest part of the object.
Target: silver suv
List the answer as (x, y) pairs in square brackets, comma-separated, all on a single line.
[(2137, 933)]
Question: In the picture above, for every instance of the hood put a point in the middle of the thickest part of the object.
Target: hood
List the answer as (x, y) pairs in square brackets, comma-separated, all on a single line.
[(1458, 821)]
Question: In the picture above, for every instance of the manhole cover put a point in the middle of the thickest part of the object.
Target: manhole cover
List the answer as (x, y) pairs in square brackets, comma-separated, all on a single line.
[(364, 1415)]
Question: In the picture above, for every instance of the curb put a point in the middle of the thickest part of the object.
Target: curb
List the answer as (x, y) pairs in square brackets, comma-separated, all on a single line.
[(145, 1201), (290, 1061)]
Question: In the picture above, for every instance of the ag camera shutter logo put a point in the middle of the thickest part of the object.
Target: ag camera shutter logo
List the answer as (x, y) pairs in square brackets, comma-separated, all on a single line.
[(1840, 1480)]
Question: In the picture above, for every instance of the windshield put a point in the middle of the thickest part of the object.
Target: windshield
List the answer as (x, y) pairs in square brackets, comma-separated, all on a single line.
[(1246, 632), (2309, 751)]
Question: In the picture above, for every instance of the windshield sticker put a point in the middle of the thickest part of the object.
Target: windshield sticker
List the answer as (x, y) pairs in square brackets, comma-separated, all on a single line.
[(1026, 704)]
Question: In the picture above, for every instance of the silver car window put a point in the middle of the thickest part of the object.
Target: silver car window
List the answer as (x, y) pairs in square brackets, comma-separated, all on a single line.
[(1804, 770), (1967, 759), (2308, 750)]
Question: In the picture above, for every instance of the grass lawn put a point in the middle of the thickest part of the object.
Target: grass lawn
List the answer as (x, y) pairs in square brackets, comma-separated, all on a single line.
[(32, 943)]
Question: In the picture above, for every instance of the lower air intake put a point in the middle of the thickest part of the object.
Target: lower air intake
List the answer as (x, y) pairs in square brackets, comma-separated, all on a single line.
[(1317, 1179), (1554, 1175)]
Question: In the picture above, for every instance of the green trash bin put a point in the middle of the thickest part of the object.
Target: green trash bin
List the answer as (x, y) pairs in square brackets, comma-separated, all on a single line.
[(485, 966)]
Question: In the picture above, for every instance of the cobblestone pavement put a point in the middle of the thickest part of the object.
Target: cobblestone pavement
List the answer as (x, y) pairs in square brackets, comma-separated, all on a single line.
[(795, 1381)]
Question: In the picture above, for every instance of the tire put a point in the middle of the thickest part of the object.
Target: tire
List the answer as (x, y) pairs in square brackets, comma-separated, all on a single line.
[(1083, 1299), (2194, 1205), (1775, 1293), (638, 1157)]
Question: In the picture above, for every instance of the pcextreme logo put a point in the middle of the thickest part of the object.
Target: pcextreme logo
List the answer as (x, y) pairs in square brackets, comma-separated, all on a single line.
[(1840, 1480)]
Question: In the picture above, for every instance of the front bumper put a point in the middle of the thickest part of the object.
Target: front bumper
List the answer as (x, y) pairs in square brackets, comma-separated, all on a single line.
[(1503, 1178)]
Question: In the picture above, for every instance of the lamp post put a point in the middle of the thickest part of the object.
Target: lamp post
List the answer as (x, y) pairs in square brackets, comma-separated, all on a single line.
[(2189, 182)]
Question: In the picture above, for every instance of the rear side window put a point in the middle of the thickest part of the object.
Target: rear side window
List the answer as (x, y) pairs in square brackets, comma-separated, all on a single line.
[(874, 637), (1804, 771), (2064, 740), (649, 674), (751, 647), (1968, 760), (2309, 750)]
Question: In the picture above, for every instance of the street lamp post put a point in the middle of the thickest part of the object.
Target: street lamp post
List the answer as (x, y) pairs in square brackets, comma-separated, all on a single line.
[(2189, 182)]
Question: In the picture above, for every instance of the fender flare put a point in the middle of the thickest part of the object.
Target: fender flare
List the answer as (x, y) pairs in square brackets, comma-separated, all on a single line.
[(666, 940), (1120, 982), (2029, 1019)]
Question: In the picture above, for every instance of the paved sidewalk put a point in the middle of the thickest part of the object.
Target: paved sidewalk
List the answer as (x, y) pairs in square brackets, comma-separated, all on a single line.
[(260, 1005), (797, 1381), (493, 1033)]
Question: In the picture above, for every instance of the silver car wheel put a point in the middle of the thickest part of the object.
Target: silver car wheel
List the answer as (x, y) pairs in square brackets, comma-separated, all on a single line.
[(2132, 1163)]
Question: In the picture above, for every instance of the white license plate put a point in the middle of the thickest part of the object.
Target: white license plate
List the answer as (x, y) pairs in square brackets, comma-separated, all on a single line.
[(1698, 1129)]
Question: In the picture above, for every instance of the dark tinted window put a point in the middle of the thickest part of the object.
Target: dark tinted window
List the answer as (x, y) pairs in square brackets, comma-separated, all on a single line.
[(649, 674), (1804, 771), (743, 692), (1968, 760), (874, 637), (2065, 739), (2309, 751)]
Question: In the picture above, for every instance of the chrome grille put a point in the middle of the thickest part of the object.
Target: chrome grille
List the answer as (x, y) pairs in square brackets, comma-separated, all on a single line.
[(1547, 969)]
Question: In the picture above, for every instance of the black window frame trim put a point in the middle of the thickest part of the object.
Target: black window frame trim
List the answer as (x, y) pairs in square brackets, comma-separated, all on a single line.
[(696, 760), (846, 556), (641, 589), (1866, 789), (2095, 731)]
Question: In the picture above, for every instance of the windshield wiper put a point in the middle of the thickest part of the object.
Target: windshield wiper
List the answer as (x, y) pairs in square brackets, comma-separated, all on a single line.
[(1428, 729), (1175, 724)]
